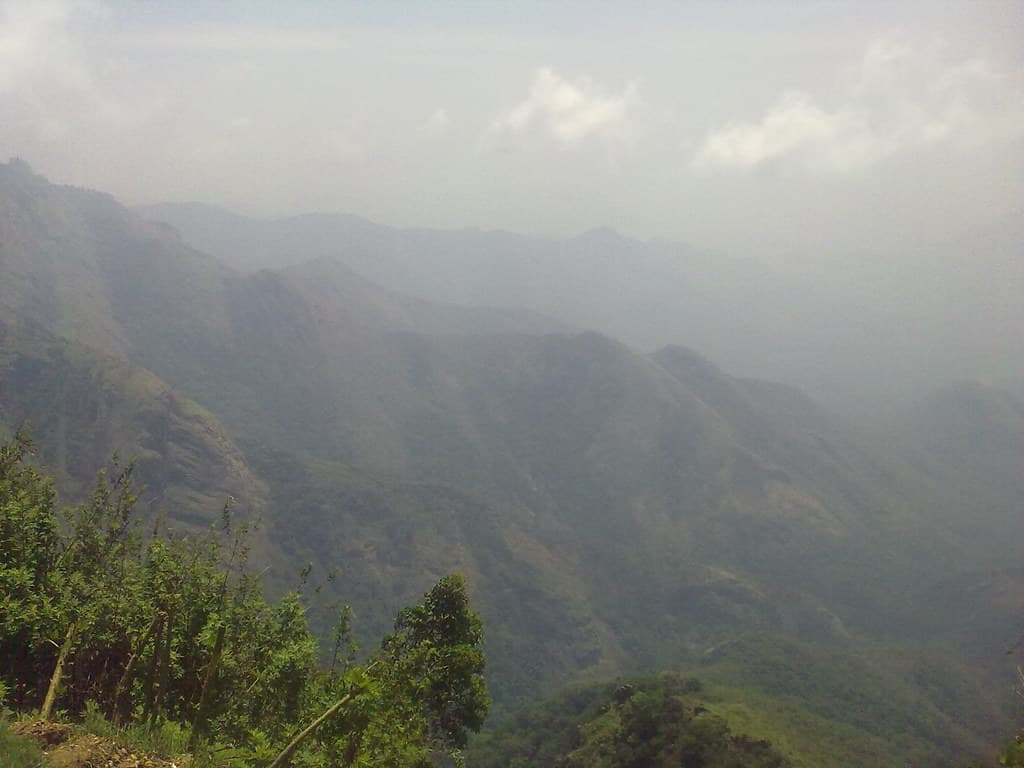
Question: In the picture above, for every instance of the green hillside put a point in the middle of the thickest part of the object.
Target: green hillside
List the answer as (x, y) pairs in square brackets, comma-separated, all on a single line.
[(667, 720), (83, 406), (814, 705)]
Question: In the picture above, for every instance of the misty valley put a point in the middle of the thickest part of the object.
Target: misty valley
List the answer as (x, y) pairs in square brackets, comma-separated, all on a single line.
[(236, 449)]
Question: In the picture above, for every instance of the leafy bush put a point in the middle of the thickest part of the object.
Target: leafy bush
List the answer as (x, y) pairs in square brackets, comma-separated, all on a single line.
[(173, 646)]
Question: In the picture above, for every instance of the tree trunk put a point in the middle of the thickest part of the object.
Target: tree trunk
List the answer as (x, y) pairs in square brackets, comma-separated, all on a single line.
[(165, 669), (118, 712), (58, 673), (207, 693), (283, 759), (150, 692)]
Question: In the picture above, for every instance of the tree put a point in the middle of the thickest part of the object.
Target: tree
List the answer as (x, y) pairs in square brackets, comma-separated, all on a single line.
[(29, 549), (420, 694), (436, 653), (98, 586), (172, 628)]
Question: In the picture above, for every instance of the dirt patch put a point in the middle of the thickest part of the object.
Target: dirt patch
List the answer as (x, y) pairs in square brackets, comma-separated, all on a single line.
[(64, 748), (46, 734)]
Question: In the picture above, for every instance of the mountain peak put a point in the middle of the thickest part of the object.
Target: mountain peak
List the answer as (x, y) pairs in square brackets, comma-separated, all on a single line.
[(605, 235), (18, 169)]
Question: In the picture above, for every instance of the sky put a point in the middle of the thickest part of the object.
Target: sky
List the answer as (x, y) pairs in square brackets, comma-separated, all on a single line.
[(755, 128)]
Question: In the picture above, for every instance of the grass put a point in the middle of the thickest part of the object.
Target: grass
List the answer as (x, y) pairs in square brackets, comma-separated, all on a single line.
[(166, 739), (17, 752), (808, 739)]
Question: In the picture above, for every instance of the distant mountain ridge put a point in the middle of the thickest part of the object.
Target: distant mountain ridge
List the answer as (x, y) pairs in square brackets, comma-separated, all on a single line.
[(859, 331)]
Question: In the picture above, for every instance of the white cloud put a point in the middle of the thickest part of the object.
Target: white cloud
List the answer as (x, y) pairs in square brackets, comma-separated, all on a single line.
[(569, 112), (35, 41), (794, 121), (48, 82), (897, 98)]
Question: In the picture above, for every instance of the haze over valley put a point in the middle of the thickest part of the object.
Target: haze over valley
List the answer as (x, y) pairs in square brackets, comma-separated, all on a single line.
[(689, 338)]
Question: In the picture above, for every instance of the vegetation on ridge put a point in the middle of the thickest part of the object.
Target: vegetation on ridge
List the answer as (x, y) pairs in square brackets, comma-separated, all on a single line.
[(653, 722)]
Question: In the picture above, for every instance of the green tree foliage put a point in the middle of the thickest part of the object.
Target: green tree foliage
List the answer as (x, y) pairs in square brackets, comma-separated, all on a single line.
[(31, 605), (165, 629), (420, 693), (435, 653)]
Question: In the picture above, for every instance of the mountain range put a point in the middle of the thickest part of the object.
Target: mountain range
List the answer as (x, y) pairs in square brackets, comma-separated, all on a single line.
[(614, 510), (861, 331)]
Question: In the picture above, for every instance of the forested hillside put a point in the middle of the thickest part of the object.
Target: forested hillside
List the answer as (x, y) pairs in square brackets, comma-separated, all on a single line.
[(613, 512)]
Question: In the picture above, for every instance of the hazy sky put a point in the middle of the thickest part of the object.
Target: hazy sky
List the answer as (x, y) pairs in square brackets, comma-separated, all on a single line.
[(745, 126)]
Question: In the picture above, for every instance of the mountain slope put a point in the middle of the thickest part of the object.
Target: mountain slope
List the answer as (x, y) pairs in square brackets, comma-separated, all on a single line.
[(844, 707), (83, 406), (967, 438), (614, 511), (964, 445)]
